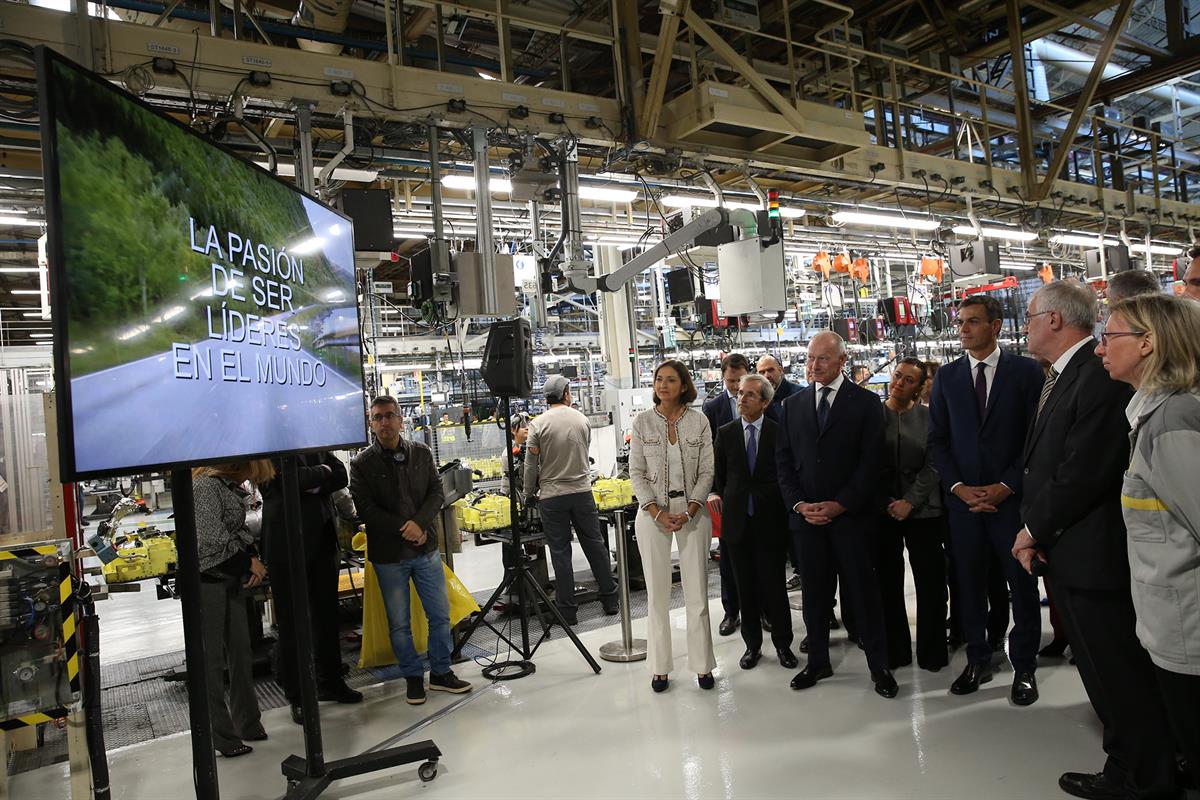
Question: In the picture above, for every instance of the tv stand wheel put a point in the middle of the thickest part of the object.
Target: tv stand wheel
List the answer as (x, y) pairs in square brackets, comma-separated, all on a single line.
[(427, 771)]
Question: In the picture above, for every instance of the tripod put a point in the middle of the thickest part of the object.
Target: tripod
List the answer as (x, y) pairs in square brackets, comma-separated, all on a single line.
[(518, 573)]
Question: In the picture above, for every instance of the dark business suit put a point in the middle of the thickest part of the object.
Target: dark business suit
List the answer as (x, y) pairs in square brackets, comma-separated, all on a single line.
[(719, 412), (978, 452), (758, 540), (1075, 457), (839, 461), (320, 475), (786, 389)]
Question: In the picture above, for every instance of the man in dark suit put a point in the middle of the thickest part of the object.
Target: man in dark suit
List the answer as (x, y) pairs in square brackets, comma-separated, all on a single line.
[(320, 475), (828, 454), (979, 413), (771, 368), (721, 410), (754, 520), (1075, 455)]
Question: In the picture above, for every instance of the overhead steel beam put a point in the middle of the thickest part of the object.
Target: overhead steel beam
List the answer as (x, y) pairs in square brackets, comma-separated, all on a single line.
[(1016, 41), (658, 75), (1120, 16), (735, 60)]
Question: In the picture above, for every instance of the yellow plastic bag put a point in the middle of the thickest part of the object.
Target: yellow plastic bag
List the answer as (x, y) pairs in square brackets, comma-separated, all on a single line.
[(376, 640)]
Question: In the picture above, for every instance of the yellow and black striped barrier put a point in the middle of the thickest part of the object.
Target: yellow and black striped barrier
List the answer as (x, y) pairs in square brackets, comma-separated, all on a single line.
[(29, 552), (36, 718)]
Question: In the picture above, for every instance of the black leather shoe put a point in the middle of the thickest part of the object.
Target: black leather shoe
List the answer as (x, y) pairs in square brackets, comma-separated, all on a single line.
[(341, 693), (750, 659), (803, 645), (793, 583), (659, 684), (729, 625), (885, 683), (787, 659), (1056, 649), (705, 681), (808, 677), (1092, 787), (971, 677), (766, 624), (612, 608), (1024, 689), (297, 714)]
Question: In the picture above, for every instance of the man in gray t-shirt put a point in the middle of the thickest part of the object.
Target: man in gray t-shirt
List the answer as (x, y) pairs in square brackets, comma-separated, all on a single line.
[(556, 473)]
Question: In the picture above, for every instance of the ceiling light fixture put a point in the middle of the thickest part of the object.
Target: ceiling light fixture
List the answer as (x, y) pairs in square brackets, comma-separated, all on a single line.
[(1080, 240), (694, 201), (884, 220), (467, 183), (1007, 234), (606, 194), (21, 222)]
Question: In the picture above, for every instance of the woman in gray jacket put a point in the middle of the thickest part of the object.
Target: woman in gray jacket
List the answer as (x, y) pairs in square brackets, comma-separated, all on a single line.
[(913, 520), (1152, 342), (671, 467)]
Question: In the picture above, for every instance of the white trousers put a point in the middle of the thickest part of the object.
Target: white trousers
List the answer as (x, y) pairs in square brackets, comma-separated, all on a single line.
[(655, 546)]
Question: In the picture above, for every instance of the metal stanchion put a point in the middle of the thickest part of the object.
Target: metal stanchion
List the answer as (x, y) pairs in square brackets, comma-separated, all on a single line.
[(628, 649)]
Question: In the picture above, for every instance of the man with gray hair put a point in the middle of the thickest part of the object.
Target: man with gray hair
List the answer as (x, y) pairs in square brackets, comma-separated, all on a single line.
[(557, 477), (1074, 461), (1131, 282)]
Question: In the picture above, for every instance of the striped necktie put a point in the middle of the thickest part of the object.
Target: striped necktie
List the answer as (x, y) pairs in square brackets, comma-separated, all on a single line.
[(1047, 388)]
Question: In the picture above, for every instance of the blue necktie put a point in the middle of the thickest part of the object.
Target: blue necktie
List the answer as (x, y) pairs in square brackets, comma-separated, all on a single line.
[(751, 459), (981, 393), (823, 407)]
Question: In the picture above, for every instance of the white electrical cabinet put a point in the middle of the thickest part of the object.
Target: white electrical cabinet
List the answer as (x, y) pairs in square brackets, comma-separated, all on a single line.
[(753, 279)]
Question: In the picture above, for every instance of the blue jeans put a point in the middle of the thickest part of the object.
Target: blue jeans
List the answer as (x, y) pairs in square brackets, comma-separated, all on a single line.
[(430, 579)]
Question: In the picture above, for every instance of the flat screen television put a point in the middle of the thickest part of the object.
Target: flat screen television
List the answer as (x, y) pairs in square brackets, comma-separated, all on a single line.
[(204, 311)]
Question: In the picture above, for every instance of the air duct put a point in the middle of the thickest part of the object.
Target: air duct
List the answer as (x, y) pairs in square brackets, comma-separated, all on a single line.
[(1080, 63), (331, 16)]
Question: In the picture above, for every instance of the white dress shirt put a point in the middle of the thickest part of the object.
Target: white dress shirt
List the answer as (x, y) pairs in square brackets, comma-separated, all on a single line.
[(732, 404), (834, 384), (989, 369), (1066, 357), (746, 426)]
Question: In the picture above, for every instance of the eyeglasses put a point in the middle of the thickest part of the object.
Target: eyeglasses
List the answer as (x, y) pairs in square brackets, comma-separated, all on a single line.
[(1038, 314), (1104, 337), (386, 416)]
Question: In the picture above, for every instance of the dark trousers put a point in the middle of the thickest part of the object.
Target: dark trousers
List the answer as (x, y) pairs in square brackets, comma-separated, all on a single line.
[(848, 547), (729, 583), (760, 562), (997, 593), (321, 559), (1056, 625), (923, 538), (233, 709), (1120, 682), (559, 515), (1181, 696), (974, 536)]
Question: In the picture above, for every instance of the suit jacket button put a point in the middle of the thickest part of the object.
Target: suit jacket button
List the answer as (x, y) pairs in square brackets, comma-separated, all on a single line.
[(1027, 470)]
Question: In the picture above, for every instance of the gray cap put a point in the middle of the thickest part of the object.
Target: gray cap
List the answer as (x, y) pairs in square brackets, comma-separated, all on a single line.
[(554, 387)]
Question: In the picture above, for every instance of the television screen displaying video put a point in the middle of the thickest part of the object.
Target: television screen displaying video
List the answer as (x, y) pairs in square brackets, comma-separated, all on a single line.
[(204, 311)]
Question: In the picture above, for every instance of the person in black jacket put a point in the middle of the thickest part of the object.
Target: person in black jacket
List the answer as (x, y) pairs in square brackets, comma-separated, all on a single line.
[(398, 494), (754, 520), (1074, 462), (721, 410), (829, 460), (319, 475)]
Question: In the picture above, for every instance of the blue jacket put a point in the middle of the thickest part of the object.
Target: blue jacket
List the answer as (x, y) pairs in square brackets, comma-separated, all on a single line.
[(965, 449), (786, 389), (718, 412)]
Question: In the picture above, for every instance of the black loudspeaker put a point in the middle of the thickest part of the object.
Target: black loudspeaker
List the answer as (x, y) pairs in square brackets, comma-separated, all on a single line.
[(507, 366), (371, 211)]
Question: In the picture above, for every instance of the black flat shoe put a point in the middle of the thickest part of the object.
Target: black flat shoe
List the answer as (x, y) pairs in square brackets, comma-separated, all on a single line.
[(1024, 689), (340, 693), (705, 681), (750, 659), (808, 677), (235, 751), (787, 659), (297, 714), (729, 625), (659, 684), (885, 683), (970, 679)]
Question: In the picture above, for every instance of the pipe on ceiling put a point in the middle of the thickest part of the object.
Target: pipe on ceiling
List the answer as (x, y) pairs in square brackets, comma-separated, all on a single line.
[(1080, 63)]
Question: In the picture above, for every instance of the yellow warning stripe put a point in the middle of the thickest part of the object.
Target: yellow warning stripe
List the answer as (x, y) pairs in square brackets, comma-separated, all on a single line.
[(29, 552), (66, 594), (1143, 503), (37, 718)]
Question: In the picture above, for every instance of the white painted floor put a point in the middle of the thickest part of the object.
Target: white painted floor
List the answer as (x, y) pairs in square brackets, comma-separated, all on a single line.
[(565, 732)]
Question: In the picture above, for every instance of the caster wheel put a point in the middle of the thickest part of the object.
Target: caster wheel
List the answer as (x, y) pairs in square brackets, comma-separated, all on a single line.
[(427, 771)]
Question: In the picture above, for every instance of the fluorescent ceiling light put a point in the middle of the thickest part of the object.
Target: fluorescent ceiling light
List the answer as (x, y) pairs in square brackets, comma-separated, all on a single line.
[(487, 76), (1021, 267), (21, 222), (1157, 249), (41, 336), (25, 291), (695, 201), (34, 314), (285, 170), (1080, 240), (467, 182), (1007, 234), (885, 220), (15, 270), (605, 193)]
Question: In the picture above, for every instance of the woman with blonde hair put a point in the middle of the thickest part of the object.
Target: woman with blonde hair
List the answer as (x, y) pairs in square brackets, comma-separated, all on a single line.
[(229, 565), (671, 467), (1152, 342)]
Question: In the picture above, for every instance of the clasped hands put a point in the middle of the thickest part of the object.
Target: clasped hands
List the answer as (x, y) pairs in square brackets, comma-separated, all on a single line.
[(666, 521), (982, 499), (412, 532), (820, 513)]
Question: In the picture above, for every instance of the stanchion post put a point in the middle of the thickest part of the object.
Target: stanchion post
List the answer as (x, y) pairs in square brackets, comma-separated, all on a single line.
[(628, 649)]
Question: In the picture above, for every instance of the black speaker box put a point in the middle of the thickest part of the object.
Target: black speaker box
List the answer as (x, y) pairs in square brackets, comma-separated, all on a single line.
[(371, 211), (507, 366)]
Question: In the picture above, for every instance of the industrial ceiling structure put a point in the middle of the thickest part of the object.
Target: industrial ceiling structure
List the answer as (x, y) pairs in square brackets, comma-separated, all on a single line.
[(1047, 124)]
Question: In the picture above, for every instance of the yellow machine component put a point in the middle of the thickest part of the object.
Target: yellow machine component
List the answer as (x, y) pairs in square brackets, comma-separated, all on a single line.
[(612, 493), (485, 512), (489, 467), (142, 556)]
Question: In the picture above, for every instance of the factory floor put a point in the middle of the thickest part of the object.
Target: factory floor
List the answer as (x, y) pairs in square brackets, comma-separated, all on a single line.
[(565, 731)]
